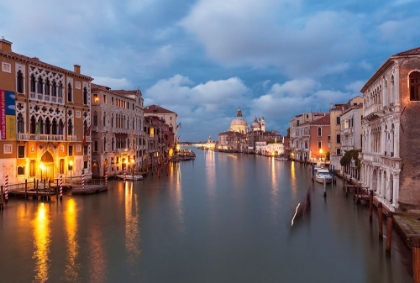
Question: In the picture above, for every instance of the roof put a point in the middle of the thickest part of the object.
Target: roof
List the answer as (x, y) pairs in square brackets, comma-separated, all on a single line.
[(157, 109), (321, 121), (37, 62), (388, 63)]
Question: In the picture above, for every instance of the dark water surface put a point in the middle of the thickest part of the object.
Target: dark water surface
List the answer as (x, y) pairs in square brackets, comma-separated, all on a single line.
[(221, 218)]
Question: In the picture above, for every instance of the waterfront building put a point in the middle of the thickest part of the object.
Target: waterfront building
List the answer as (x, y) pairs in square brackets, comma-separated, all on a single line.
[(160, 140), (351, 135), (269, 147), (231, 141), (118, 137), (45, 120), (390, 131), (301, 148), (168, 116), (336, 150)]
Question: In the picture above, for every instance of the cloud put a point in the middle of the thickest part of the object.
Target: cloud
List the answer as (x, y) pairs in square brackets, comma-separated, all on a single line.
[(397, 31), (355, 86), (113, 83), (248, 33)]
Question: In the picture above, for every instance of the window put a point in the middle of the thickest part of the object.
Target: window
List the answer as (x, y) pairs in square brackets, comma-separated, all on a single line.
[(61, 166), (338, 138), (69, 93), (39, 85), (329, 138), (54, 89), (20, 82), (104, 99), (85, 96), (338, 120), (95, 98), (60, 90), (319, 131), (95, 146), (85, 150), (70, 128), (20, 124), (415, 86), (32, 83), (338, 151), (32, 168), (95, 119), (21, 170), (319, 144), (70, 150), (104, 119), (47, 87), (85, 165), (21, 151)]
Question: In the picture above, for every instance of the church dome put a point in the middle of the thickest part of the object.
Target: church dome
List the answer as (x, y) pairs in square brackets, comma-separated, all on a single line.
[(239, 124), (255, 126)]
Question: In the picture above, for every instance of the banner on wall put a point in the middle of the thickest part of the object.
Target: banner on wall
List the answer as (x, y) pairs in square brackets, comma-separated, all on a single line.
[(7, 114)]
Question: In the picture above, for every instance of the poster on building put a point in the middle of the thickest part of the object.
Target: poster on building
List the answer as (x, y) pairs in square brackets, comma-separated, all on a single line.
[(7, 108)]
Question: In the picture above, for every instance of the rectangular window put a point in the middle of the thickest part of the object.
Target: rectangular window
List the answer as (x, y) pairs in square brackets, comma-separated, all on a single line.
[(319, 144), (338, 138), (21, 170), (21, 151), (70, 150), (338, 120), (104, 99), (61, 166), (85, 150), (32, 168), (338, 151), (85, 165)]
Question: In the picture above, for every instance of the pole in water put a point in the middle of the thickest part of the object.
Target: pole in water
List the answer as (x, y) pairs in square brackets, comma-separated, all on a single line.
[(415, 244), (325, 188), (388, 233), (370, 205), (6, 188), (380, 221), (61, 187)]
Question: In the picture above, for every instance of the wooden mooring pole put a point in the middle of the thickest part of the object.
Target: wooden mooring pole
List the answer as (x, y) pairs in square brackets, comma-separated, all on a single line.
[(388, 233), (325, 188), (380, 221), (26, 188), (1, 198), (415, 247), (370, 205)]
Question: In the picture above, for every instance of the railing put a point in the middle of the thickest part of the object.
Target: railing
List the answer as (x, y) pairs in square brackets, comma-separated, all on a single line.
[(41, 137), (71, 138), (372, 109), (46, 98)]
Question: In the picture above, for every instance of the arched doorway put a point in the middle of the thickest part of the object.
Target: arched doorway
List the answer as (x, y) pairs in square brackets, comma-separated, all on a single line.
[(95, 168), (47, 168)]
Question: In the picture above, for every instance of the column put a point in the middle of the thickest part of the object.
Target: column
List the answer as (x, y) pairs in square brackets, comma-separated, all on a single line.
[(396, 189)]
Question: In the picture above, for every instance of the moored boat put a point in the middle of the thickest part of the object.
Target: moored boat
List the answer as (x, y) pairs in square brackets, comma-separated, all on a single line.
[(129, 177), (322, 175)]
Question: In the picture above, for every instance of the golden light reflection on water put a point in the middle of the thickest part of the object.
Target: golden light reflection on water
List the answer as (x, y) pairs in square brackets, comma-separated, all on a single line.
[(72, 268), (175, 173), (132, 225), (42, 240), (293, 181), (96, 250), (210, 172)]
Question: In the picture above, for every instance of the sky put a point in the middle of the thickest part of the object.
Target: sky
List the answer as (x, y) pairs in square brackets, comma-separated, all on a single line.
[(204, 59)]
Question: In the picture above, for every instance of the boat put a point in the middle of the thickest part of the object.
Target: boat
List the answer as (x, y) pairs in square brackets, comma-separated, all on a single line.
[(129, 177), (281, 158), (322, 175)]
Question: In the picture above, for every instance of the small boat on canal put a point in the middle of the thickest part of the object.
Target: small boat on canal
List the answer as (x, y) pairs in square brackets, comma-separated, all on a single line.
[(323, 175), (130, 177)]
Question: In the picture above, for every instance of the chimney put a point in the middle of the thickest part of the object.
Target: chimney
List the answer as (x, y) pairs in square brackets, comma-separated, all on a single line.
[(77, 69), (5, 45), (330, 105)]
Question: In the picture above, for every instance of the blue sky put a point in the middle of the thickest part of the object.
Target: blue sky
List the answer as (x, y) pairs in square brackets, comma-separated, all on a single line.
[(205, 58)]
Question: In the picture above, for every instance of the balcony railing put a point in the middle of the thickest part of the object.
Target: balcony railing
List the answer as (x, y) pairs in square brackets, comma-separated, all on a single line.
[(373, 109), (46, 98), (41, 137)]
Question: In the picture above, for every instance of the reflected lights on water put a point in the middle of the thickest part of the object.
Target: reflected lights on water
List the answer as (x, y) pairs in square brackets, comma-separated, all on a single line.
[(42, 240), (209, 156), (72, 267), (132, 226)]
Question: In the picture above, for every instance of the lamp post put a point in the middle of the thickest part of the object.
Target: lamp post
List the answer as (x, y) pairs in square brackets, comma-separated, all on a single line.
[(41, 165)]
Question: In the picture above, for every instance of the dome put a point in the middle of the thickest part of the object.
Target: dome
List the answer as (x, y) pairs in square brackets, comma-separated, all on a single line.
[(255, 125), (239, 124)]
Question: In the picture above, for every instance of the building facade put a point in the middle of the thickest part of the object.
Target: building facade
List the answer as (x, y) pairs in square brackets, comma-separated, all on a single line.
[(46, 114), (118, 137), (390, 131)]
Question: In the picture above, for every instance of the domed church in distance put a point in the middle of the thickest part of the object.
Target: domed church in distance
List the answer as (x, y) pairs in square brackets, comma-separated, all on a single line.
[(239, 124)]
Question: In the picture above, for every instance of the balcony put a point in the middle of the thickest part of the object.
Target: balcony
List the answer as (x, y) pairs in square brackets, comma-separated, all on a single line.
[(46, 98), (41, 137), (373, 111)]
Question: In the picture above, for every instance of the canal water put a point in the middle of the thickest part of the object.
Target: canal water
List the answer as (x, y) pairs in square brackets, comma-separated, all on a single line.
[(220, 218)]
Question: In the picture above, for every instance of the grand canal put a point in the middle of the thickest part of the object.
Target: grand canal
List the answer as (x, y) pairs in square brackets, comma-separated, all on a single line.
[(222, 218)]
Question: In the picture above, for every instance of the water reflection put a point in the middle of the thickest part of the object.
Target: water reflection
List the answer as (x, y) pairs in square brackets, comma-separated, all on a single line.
[(42, 240), (97, 253), (210, 173), (72, 267), (132, 225), (274, 189), (178, 199)]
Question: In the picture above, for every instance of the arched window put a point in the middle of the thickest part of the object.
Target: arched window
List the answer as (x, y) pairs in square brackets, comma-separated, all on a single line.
[(104, 119), (415, 86), (60, 127), (40, 125), (95, 118), (19, 81), (95, 146), (20, 124), (48, 126), (47, 87), (104, 144), (70, 128), (54, 127), (32, 129), (69, 93), (85, 98), (54, 88), (39, 85), (319, 131), (85, 128), (60, 90), (33, 84)]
